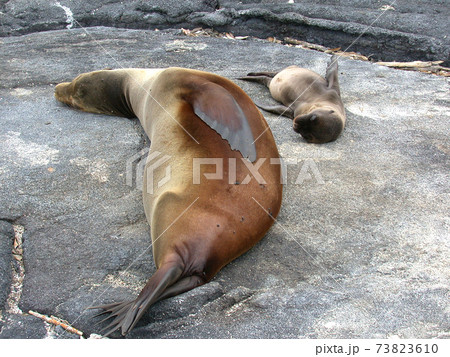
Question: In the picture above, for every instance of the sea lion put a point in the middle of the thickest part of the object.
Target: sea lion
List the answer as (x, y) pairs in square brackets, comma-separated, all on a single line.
[(312, 101), (196, 229)]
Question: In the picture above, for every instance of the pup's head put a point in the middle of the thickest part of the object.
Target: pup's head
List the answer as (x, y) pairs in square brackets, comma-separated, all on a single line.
[(319, 126)]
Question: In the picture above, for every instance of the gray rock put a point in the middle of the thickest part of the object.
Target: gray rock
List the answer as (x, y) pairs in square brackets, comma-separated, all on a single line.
[(360, 251)]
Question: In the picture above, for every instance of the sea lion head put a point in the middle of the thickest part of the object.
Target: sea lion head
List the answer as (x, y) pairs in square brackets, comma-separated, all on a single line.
[(95, 92), (319, 126), (79, 94)]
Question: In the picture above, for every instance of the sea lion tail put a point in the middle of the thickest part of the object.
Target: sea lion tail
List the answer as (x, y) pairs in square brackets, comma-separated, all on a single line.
[(128, 313)]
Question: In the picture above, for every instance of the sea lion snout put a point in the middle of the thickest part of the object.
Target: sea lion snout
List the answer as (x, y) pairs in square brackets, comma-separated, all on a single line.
[(96, 92), (62, 93), (304, 124), (68, 93)]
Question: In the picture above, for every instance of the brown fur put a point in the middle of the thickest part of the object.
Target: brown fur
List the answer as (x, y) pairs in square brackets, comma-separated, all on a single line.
[(312, 101), (196, 229)]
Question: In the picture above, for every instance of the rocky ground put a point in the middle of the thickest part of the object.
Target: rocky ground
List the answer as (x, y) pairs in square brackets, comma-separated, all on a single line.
[(360, 248)]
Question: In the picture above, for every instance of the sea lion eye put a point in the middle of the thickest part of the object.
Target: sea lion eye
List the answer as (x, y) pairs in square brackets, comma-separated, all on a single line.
[(331, 111), (82, 91), (313, 117)]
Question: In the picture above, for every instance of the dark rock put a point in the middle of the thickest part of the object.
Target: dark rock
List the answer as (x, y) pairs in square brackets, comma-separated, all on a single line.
[(23, 326), (403, 32)]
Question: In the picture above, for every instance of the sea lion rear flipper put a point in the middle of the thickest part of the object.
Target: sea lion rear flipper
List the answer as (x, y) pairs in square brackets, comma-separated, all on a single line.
[(216, 107), (182, 286), (128, 313), (267, 74), (258, 77), (278, 109), (332, 73)]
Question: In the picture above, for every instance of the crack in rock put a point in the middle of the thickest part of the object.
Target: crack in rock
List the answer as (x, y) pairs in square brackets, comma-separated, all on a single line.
[(238, 305), (18, 272)]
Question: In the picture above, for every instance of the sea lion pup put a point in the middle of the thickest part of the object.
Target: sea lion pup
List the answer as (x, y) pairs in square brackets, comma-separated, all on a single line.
[(312, 101), (196, 227)]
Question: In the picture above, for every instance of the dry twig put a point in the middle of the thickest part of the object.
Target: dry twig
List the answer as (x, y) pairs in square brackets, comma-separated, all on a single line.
[(427, 67), (56, 321)]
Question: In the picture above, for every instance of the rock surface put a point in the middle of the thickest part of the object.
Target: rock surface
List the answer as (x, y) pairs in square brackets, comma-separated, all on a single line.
[(361, 244), (398, 30)]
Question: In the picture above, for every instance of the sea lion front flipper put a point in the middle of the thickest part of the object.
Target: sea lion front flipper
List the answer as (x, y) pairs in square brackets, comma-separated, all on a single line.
[(216, 107), (278, 109), (332, 74)]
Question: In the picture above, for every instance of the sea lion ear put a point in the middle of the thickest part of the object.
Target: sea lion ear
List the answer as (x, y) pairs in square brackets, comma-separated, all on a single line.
[(216, 107)]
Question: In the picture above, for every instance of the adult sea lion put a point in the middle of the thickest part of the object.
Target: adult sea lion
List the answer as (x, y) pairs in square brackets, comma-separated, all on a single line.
[(312, 101), (189, 115)]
